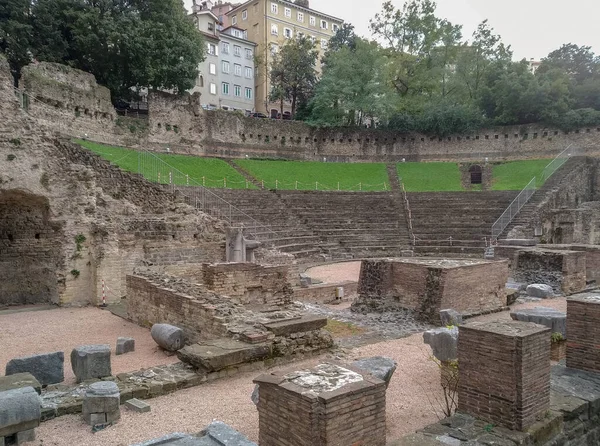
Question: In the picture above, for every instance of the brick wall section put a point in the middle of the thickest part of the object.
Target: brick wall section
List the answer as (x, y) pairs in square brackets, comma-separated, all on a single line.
[(148, 303), (427, 286), (351, 415), (583, 333), (251, 283), (504, 372)]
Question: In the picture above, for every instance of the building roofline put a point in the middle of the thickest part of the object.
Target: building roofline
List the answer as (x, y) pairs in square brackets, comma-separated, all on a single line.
[(313, 11), (204, 12)]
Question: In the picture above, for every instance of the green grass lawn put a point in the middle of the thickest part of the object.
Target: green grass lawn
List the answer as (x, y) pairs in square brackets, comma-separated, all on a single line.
[(208, 171), (515, 175), (311, 175), (426, 177)]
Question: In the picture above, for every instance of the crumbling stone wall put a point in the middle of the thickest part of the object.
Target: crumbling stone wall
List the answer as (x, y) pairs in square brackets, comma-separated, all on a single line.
[(28, 244), (564, 271), (95, 222), (251, 283), (149, 302), (427, 286)]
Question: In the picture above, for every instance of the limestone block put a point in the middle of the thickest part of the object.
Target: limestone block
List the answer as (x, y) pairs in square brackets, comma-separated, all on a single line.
[(25, 436), (167, 336), (549, 317), (450, 317), (125, 345), (19, 380), (102, 398), (378, 366), (20, 410), (443, 342), (254, 397), (137, 405), (48, 368), (224, 434), (174, 439), (539, 290), (91, 361)]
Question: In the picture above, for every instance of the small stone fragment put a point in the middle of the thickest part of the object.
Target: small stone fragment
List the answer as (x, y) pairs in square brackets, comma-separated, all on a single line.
[(549, 317), (450, 317), (167, 336), (540, 290), (125, 345), (137, 405), (254, 397), (443, 342), (378, 366)]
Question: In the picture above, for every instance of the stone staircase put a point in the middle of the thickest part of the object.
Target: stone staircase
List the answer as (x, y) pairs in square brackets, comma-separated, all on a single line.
[(529, 210), (352, 224), (455, 223)]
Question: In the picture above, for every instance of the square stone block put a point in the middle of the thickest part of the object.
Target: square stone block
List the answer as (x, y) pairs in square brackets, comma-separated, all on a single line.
[(91, 361), (125, 345), (426, 286), (47, 368), (24, 436)]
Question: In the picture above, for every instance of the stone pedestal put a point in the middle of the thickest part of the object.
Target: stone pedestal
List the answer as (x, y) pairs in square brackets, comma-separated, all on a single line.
[(101, 403), (324, 406), (583, 332), (504, 372)]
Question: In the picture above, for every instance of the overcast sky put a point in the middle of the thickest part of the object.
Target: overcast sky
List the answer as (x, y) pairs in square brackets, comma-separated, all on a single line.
[(532, 27)]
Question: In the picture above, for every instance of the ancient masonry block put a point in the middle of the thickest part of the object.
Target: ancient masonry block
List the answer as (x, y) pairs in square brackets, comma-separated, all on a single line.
[(137, 405), (583, 332), (125, 345), (504, 372), (326, 405), (91, 361), (426, 286), (101, 403), (48, 368), (20, 413)]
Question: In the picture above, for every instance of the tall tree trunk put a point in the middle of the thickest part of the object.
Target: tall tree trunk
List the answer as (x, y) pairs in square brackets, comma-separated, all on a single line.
[(293, 105)]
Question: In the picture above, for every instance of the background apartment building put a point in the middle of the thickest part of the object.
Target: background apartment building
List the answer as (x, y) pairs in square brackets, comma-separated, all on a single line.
[(226, 76), (269, 23)]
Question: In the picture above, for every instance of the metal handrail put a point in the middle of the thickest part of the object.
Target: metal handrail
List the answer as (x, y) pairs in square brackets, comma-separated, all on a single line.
[(203, 200), (513, 209), (408, 213), (558, 161)]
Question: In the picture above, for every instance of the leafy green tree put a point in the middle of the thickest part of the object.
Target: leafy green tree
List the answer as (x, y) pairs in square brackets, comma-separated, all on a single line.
[(579, 62), (484, 53), (125, 44), (352, 88), (15, 33), (293, 73)]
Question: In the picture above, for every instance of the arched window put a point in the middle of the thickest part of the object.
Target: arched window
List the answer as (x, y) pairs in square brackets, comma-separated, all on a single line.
[(475, 172)]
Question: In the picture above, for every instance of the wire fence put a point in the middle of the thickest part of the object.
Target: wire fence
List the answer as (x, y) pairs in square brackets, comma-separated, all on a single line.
[(150, 166)]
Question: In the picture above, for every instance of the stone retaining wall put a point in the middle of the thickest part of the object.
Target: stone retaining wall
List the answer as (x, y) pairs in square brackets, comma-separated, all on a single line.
[(324, 293)]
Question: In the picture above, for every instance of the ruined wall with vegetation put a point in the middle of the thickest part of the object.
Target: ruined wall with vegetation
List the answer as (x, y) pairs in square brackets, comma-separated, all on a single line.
[(70, 221), (72, 102)]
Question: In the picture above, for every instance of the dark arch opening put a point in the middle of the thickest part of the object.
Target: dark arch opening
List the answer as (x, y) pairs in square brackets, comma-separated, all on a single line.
[(476, 174)]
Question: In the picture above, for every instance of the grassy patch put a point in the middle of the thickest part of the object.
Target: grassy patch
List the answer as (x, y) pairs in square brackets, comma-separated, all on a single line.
[(311, 175), (208, 171), (343, 329), (429, 177), (515, 175)]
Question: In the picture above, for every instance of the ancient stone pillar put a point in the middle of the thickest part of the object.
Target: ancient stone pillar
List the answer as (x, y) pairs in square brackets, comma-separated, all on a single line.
[(323, 406), (583, 332), (504, 372)]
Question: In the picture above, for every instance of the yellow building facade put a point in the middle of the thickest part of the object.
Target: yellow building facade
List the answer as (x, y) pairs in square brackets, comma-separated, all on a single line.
[(269, 23)]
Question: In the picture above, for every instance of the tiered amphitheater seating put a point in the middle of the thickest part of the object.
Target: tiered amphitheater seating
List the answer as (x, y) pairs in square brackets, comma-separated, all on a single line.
[(447, 223), (352, 224)]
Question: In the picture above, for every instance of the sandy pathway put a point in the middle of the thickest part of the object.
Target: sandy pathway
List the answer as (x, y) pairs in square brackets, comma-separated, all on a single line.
[(62, 329)]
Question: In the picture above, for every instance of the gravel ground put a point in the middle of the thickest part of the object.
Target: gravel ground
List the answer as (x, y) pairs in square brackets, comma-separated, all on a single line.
[(335, 272), (408, 407), (63, 329)]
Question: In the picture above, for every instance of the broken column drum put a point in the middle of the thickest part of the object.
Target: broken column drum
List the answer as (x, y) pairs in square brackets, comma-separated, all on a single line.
[(101, 403)]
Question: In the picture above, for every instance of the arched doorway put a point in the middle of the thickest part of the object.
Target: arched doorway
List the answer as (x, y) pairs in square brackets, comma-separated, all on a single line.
[(476, 174)]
